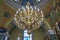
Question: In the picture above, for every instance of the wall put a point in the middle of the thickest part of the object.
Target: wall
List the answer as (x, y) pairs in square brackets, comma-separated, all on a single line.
[(38, 35), (15, 34)]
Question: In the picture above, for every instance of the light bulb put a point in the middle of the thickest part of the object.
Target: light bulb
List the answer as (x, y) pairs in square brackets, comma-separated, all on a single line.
[(42, 15), (35, 7), (15, 19), (38, 9), (30, 6), (41, 12), (19, 9), (16, 12), (27, 7)]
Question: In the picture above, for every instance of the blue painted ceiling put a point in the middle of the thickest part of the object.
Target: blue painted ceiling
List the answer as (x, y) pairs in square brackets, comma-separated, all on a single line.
[(15, 4), (24, 2)]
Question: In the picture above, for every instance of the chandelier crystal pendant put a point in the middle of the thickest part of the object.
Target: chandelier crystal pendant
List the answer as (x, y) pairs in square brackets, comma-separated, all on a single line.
[(28, 18)]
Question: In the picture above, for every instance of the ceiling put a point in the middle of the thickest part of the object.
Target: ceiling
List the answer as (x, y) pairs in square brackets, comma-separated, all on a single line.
[(15, 4), (7, 12)]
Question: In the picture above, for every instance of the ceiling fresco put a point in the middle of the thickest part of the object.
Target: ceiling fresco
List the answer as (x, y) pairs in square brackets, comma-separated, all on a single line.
[(7, 12), (18, 3)]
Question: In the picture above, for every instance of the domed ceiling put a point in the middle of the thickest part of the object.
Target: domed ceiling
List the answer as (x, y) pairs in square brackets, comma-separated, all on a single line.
[(17, 3)]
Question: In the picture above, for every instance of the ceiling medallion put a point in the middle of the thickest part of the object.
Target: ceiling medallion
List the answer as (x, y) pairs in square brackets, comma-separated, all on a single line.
[(28, 18)]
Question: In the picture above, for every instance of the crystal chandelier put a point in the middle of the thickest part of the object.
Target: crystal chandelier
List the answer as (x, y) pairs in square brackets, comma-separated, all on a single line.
[(28, 18)]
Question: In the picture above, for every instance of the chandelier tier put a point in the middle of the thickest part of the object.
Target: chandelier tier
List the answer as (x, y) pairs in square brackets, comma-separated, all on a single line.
[(29, 18)]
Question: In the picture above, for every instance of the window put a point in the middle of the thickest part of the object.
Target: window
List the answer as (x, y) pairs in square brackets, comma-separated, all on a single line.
[(18, 38), (38, 0), (59, 25), (2, 37), (26, 36), (16, 0)]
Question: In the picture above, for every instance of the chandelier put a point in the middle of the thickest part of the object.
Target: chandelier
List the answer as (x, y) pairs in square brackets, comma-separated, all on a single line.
[(28, 18)]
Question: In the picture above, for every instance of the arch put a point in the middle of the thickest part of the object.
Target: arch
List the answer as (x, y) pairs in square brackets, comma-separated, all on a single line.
[(16, 34), (46, 26), (15, 6), (45, 22)]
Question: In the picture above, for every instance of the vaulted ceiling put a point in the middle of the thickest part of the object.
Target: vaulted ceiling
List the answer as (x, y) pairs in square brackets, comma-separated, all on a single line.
[(7, 12)]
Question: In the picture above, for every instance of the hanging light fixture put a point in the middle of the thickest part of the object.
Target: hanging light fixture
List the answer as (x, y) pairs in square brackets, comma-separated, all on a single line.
[(28, 18)]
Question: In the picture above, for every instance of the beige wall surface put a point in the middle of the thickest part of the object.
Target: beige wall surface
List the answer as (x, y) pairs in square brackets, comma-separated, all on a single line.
[(38, 35), (15, 34)]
